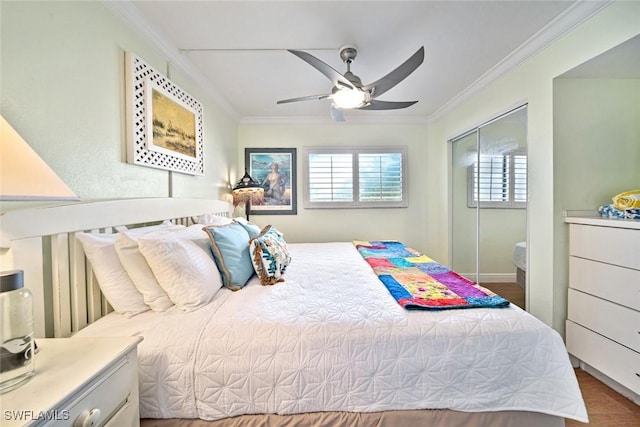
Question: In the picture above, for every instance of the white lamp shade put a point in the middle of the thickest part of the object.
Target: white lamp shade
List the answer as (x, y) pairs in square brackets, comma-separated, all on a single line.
[(23, 174)]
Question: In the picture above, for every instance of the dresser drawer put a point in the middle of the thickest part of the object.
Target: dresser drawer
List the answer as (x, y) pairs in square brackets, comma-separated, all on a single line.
[(74, 376), (618, 284), (101, 399), (618, 323), (615, 361), (617, 246)]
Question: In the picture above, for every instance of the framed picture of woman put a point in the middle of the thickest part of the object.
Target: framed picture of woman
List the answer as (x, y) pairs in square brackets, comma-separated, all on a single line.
[(275, 170)]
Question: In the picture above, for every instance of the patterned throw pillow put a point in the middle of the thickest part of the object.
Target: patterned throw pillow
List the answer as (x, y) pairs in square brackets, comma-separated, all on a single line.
[(269, 255)]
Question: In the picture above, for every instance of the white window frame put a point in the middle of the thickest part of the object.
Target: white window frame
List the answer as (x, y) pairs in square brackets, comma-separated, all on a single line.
[(355, 203), (510, 203)]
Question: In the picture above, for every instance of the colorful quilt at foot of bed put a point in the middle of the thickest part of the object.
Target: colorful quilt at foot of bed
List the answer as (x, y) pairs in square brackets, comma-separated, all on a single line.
[(418, 282)]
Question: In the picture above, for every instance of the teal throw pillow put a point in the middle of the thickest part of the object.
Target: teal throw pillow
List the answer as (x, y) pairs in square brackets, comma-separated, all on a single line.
[(252, 229), (230, 247)]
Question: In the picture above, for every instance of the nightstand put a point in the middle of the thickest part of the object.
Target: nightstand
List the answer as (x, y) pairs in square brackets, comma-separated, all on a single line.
[(78, 382)]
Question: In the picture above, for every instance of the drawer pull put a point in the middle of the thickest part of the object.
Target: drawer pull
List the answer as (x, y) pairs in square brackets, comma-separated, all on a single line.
[(88, 418)]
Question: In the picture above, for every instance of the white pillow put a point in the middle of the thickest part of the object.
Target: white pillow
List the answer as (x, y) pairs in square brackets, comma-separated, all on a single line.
[(183, 265), (113, 280), (136, 266), (213, 219)]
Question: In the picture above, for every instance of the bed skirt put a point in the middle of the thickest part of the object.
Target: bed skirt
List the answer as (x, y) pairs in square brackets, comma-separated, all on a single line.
[(521, 278), (405, 418)]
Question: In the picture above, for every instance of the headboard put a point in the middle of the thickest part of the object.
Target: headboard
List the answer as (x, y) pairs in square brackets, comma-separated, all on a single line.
[(41, 242)]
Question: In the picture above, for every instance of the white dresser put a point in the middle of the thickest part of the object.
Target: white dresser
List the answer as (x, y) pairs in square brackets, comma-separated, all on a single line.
[(603, 325), (78, 382)]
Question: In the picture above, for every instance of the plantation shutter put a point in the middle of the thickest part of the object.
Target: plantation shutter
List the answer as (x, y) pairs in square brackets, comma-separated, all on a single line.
[(380, 177), (331, 177), (355, 177)]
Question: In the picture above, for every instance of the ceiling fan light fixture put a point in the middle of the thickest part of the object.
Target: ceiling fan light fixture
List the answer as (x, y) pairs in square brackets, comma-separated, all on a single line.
[(348, 92), (349, 98)]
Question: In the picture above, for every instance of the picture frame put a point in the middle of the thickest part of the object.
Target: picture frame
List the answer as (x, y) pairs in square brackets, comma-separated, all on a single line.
[(165, 123), (275, 169)]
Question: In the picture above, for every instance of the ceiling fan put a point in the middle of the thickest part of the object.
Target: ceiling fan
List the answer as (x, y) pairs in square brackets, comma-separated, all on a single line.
[(348, 92)]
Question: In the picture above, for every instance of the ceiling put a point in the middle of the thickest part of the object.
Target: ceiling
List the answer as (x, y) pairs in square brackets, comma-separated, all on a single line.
[(237, 50)]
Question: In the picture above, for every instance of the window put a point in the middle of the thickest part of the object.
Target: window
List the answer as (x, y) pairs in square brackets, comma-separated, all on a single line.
[(355, 177), (498, 181)]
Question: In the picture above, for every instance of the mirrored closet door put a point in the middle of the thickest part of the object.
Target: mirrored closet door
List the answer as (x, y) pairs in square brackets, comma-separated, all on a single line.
[(489, 204)]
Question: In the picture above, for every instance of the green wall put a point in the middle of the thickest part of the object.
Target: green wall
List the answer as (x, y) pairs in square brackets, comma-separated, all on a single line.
[(596, 152), (62, 87), (322, 225)]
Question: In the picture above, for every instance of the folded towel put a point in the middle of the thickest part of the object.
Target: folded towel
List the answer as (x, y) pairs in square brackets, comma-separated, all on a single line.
[(610, 211), (627, 200)]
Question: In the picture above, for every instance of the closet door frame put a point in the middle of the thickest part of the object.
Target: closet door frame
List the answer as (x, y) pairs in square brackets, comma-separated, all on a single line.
[(477, 131)]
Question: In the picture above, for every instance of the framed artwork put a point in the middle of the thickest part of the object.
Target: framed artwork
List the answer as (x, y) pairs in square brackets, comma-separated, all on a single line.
[(164, 122), (275, 170)]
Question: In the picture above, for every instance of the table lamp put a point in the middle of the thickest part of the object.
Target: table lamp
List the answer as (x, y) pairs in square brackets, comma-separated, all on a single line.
[(247, 191), (24, 176)]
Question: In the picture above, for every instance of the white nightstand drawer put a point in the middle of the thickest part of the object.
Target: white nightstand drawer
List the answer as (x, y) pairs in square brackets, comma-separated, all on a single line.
[(74, 375), (618, 323), (615, 361), (617, 246), (618, 284), (101, 399)]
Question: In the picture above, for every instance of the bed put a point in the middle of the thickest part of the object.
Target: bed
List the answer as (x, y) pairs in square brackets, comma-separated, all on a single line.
[(326, 346), (520, 261)]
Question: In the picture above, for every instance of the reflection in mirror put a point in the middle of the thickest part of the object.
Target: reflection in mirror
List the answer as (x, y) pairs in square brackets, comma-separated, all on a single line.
[(489, 200)]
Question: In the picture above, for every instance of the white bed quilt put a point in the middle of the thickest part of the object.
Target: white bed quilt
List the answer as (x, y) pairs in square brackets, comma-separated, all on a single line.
[(331, 338)]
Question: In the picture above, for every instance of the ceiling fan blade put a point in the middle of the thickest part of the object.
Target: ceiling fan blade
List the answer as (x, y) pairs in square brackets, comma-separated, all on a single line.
[(333, 75), (382, 85), (303, 98), (336, 114), (386, 105)]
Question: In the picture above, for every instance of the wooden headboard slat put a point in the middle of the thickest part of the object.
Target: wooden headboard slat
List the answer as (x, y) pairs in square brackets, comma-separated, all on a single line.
[(78, 273), (60, 284)]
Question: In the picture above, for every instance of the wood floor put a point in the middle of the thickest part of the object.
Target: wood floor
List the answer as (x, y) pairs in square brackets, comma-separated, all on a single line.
[(510, 291), (606, 407)]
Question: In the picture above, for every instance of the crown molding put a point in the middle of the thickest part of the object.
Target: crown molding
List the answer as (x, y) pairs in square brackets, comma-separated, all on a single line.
[(131, 15), (575, 15)]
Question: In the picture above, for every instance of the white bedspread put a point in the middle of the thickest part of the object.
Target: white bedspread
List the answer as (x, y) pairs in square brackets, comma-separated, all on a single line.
[(331, 338)]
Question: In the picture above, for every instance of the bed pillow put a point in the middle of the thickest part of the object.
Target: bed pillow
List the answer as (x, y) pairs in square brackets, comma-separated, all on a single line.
[(113, 280), (252, 229), (136, 266), (270, 255), (183, 265), (230, 247), (213, 219)]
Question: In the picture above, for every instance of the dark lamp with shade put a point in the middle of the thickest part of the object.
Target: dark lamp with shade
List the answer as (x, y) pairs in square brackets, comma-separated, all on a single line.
[(246, 192)]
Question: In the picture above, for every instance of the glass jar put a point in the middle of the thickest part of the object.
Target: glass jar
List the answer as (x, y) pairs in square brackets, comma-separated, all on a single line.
[(16, 331)]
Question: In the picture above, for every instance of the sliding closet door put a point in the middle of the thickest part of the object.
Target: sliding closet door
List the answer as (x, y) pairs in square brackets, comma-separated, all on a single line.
[(464, 256), (489, 198), (502, 194)]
